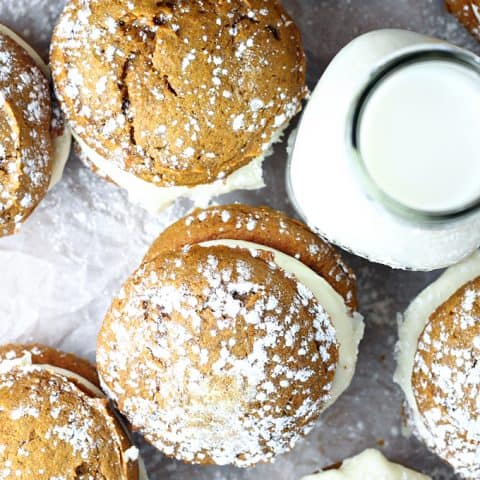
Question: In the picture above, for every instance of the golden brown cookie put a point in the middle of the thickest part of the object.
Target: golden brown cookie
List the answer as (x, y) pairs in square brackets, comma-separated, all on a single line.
[(468, 12), (54, 423), (42, 355), (438, 365), (267, 227), (228, 352), (178, 93), (446, 379), (25, 138)]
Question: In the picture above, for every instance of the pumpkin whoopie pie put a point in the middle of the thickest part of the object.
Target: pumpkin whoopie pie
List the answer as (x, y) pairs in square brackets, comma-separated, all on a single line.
[(55, 422), (371, 465), (33, 144), (234, 334), (178, 98), (439, 366), (468, 12)]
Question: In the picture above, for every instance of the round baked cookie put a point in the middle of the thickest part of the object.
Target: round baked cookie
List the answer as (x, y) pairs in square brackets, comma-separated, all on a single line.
[(223, 350), (178, 98), (55, 422), (370, 464), (34, 145), (468, 12), (25, 145), (439, 366)]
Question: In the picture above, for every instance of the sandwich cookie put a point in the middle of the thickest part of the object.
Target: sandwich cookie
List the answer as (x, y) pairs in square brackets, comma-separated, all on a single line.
[(34, 146), (439, 366), (181, 98), (56, 423), (234, 334), (370, 464)]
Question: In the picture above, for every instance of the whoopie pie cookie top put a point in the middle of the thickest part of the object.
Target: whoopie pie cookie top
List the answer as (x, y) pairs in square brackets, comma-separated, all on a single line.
[(446, 379), (25, 138), (178, 92), (217, 356), (54, 421)]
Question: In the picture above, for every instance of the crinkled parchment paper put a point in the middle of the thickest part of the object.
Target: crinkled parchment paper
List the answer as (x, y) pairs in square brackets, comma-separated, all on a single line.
[(58, 275)]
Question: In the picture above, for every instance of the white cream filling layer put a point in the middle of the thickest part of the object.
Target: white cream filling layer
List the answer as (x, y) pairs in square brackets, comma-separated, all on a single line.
[(416, 318), (349, 327), (155, 199), (132, 454), (61, 144), (372, 465)]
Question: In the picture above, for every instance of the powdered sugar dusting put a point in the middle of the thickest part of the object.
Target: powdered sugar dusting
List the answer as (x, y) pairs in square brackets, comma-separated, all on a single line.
[(44, 416), (207, 390), (57, 426), (447, 381), (206, 69), (25, 144)]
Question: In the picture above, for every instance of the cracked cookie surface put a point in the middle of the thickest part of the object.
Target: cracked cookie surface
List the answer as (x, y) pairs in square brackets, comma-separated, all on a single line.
[(53, 424), (178, 93), (446, 379), (25, 138)]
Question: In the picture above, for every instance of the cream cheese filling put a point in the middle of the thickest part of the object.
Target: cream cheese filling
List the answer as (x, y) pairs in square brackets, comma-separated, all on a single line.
[(132, 454), (349, 327), (62, 143), (155, 199), (416, 318), (370, 464)]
